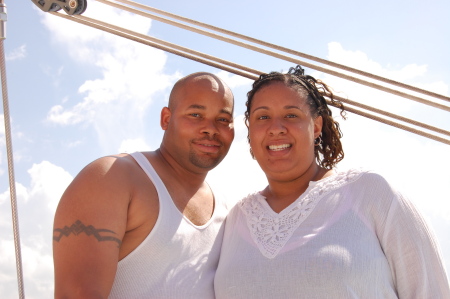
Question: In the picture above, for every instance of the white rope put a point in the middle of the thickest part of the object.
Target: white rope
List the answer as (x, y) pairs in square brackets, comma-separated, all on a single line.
[(12, 182), (157, 43), (280, 56), (287, 50), (394, 124), (250, 73), (392, 115)]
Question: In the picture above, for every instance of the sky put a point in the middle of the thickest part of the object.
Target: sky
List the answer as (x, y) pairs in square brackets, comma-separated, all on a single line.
[(76, 94)]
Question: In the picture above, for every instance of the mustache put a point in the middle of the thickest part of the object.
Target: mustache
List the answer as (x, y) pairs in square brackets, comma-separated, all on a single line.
[(207, 138)]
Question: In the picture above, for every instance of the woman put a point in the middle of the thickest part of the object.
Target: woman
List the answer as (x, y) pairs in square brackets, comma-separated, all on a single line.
[(314, 232)]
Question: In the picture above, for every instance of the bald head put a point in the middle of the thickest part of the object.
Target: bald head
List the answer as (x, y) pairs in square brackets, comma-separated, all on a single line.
[(200, 80)]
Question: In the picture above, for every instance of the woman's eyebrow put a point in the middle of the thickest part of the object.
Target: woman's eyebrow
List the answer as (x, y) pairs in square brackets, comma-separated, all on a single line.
[(261, 107)]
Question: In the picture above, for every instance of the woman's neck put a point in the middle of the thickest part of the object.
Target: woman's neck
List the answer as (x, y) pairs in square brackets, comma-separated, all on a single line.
[(280, 194)]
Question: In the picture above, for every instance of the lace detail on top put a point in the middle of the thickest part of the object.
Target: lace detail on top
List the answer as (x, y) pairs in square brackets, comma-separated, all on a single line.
[(270, 230)]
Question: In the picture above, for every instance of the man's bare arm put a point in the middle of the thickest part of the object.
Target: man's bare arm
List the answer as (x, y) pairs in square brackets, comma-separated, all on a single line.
[(79, 227), (89, 226)]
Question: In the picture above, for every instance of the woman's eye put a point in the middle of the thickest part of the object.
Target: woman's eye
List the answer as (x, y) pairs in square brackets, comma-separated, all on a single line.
[(263, 117), (291, 116), (195, 114)]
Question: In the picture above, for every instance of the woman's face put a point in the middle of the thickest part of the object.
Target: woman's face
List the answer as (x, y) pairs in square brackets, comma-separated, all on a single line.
[(282, 131)]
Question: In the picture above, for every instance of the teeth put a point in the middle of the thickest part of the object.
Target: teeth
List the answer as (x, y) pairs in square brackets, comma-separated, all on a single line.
[(279, 147)]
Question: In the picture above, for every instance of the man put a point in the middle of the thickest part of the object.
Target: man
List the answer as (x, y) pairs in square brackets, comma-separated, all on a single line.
[(128, 229)]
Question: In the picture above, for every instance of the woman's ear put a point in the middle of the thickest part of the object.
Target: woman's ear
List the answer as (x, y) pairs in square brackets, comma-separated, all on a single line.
[(165, 118), (318, 123)]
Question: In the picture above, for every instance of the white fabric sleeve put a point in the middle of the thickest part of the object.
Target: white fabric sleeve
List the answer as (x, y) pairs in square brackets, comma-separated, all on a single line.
[(412, 251)]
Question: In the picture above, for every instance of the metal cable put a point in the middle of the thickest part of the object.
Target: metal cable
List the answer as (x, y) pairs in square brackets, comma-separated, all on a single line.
[(287, 50), (394, 124), (392, 115), (250, 73), (280, 56), (84, 21), (155, 41), (12, 182)]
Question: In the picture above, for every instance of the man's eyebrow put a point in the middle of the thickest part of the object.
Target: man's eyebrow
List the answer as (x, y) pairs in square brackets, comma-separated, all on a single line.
[(196, 106), (226, 111)]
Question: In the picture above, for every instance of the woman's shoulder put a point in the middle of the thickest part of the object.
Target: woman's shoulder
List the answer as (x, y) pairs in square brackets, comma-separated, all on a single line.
[(361, 175), (251, 199)]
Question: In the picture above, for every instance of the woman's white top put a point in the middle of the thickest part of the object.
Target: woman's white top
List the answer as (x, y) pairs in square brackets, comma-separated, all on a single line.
[(350, 235)]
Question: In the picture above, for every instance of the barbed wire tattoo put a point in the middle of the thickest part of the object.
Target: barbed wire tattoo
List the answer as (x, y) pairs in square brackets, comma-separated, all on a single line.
[(78, 227)]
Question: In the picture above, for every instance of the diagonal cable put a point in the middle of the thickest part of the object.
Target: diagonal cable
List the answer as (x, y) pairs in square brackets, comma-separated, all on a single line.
[(284, 49), (163, 45), (248, 73), (280, 56)]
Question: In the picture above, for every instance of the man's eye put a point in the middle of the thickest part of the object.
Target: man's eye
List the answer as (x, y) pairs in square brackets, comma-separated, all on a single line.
[(224, 120), (291, 116), (195, 114)]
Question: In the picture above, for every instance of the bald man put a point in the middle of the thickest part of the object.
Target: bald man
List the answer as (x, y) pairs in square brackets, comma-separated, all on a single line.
[(146, 224)]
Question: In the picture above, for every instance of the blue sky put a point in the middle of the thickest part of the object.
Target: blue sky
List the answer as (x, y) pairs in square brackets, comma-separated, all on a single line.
[(76, 94)]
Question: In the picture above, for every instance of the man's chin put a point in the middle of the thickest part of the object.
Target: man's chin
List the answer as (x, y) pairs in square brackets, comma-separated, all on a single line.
[(205, 162)]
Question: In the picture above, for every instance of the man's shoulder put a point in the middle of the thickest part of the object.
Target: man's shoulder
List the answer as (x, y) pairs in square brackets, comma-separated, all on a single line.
[(114, 163)]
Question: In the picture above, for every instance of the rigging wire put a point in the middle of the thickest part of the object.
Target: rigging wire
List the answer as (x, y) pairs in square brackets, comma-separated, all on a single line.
[(283, 49), (281, 56), (215, 62), (160, 44), (250, 73), (12, 181)]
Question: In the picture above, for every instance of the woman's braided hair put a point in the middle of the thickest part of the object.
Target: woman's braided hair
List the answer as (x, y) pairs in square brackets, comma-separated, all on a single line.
[(328, 152)]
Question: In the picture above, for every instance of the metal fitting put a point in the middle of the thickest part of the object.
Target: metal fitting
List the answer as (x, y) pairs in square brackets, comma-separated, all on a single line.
[(3, 19)]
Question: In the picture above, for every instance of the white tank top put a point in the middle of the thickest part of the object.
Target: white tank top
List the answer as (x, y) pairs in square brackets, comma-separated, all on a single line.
[(177, 259)]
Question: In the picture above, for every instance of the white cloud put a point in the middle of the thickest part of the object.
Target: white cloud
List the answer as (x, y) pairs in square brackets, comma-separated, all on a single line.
[(412, 74), (133, 145), (17, 53), (233, 81), (58, 115), (8, 278), (131, 75), (36, 207), (361, 61)]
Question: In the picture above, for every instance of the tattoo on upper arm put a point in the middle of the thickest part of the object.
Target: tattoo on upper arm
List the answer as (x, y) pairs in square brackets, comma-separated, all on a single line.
[(78, 227)]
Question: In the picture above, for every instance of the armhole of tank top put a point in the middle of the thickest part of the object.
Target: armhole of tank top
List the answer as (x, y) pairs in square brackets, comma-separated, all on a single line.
[(148, 169)]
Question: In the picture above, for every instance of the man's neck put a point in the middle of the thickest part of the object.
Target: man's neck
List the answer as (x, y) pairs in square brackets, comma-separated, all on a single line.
[(187, 177)]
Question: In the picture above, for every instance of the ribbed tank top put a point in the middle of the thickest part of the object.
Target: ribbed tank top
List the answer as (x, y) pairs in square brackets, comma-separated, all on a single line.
[(177, 259)]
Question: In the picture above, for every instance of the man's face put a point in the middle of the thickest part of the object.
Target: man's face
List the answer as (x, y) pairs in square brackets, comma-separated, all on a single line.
[(199, 128)]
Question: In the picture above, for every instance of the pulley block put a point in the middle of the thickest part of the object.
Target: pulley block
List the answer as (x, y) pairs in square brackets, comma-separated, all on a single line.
[(71, 7)]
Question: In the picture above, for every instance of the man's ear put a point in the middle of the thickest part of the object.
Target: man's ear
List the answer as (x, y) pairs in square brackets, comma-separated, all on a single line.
[(165, 118)]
